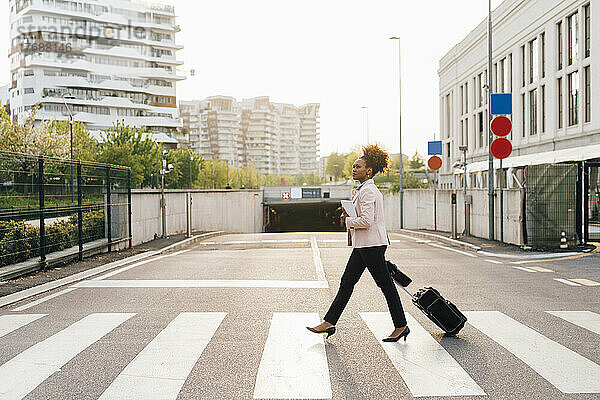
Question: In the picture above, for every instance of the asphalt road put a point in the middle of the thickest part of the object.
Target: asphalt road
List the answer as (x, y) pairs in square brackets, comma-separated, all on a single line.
[(225, 320)]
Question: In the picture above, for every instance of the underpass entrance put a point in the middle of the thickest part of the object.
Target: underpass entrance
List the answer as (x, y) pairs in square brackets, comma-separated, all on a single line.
[(303, 216)]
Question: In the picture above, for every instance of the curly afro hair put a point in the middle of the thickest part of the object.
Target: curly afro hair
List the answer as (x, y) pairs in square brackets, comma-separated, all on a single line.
[(375, 157)]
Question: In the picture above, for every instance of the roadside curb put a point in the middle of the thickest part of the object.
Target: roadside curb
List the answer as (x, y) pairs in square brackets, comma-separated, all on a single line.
[(452, 242), (45, 287)]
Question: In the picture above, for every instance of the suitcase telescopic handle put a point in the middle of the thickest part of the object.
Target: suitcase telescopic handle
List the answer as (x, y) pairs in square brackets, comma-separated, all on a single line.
[(409, 293)]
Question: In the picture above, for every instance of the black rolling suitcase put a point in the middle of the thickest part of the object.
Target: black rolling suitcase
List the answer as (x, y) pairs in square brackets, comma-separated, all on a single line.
[(440, 311)]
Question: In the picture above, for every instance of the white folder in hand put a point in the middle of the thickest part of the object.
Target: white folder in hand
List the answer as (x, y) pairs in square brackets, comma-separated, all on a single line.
[(349, 208)]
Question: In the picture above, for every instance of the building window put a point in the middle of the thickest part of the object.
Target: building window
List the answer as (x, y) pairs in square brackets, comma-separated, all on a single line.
[(560, 45), (573, 93), (533, 112), (523, 66), (508, 70), (534, 65), (501, 84), (480, 130), (462, 96), (587, 94), (573, 38), (480, 89), (524, 112), (543, 44), (543, 100), (587, 27), (560, 102), (466, 97), (28, 91)]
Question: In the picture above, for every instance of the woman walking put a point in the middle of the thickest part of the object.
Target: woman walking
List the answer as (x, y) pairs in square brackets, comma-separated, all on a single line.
[(369, 242)]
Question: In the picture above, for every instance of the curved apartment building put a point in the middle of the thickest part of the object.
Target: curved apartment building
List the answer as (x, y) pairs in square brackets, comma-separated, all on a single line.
[(113, 60)]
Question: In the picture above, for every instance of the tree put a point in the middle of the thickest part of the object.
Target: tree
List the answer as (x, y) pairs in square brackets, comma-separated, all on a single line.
[(335, 165), (133, 148), (85, 147), (179, 177), (416, 162)]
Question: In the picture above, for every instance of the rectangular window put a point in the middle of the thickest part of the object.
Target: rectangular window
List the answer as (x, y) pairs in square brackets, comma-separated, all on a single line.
[(543, 38), (480, 126), (524, 112), (559, 40), (462, 95), (28, 72), (588, 94), (28, 90), (523, 67), (480, 90), (466, 97), (573, 38), (534, 66), (533, 112), (509, 69), (587, 27), (573, 93), (560, 102), (501, 85), (543, 100)]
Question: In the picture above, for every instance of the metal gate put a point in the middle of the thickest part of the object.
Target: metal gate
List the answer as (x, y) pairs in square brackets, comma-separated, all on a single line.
[(591, 202)]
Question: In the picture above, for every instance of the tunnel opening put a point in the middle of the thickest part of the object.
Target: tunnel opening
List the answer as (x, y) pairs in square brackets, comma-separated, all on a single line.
[(307, 217)]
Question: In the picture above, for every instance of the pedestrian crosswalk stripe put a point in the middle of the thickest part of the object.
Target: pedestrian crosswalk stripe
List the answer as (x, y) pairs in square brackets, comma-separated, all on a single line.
[(566, 282), (26, 371), (585, 282), (568, 371), (293, 363), (161, 368), (584, 319), (9, 323), (425, 366)]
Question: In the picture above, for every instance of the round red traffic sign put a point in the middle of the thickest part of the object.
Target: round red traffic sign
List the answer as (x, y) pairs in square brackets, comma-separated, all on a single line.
[(435, 163), (501, 126), (501, 148)]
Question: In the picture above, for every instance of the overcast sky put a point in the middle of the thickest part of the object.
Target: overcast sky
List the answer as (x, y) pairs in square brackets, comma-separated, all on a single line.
[(332, 52)]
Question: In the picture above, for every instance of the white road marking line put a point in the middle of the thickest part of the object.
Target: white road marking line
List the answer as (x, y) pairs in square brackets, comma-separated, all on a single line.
[(317, 259), (423, 241), (216, 283), (118, 271), (568, 371), (540, 269), (161, 368), (585, 319), (464, 253), (294, 362), (524, 269), (494, 261), (27, 370), (566, 282), (9, 323), (43, 299), (425, 366), (585, 282), (332, 241), (207, 243)]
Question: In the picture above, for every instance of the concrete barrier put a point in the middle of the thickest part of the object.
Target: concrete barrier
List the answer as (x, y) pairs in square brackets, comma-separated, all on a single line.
[(212, 210), (419, 212)]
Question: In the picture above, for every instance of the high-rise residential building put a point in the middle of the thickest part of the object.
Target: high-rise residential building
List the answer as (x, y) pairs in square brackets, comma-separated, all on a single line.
[(276, 138), (542, 54), (111, 60), (4, 97)]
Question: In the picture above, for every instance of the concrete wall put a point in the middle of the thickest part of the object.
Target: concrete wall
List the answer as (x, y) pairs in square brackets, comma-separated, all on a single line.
[(419, 212), (227, 210)]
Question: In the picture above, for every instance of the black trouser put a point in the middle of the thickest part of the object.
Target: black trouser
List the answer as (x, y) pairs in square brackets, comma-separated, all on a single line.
[(372, 258)]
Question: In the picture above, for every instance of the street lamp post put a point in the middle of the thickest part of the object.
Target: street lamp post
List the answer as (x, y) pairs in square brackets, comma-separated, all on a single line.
[(400, 127), (464, 164), (491, 172), (70, 97)]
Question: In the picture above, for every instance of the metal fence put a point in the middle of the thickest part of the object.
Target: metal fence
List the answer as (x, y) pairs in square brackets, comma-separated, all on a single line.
[(52, 208), (551, 204), (591, 192)]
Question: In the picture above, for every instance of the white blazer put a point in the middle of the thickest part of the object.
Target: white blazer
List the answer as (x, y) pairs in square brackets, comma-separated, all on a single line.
[(369, 225)]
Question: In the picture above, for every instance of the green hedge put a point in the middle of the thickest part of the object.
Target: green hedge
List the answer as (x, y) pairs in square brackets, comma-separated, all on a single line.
[(20, 242)]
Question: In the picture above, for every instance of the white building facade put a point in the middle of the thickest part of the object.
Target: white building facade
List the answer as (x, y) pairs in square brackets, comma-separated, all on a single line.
[(276, 138), (542, 54), (113, 60)]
